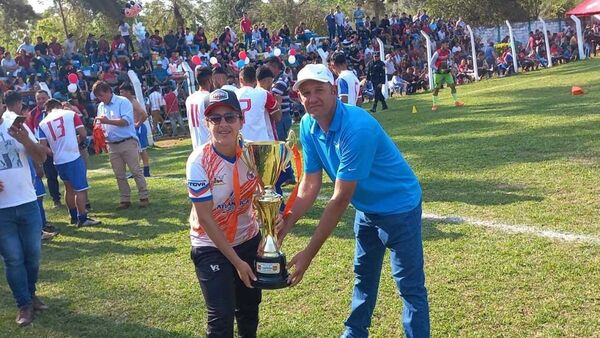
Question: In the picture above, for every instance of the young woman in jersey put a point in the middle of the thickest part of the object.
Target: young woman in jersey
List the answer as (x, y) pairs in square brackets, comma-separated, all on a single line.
[(224, 232)]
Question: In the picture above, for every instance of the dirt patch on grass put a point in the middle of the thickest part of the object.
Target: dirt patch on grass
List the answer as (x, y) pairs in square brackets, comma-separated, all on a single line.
[(168, 142)]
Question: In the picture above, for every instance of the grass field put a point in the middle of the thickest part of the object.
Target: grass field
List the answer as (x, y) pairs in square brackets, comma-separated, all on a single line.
[(522, 151)]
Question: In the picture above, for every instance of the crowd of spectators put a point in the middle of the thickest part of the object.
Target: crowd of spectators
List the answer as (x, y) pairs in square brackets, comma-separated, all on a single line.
[(157, 58)]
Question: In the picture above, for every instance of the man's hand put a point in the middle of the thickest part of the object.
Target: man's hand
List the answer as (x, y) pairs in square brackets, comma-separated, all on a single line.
[(245, 272), (1, 186), (19, 134), (300, 262), (102, 119)]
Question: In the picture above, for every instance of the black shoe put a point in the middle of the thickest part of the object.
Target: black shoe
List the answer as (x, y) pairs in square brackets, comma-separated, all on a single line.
[(25, 315), (49, 228), (38, 305), (373, 110), (73, 221), (385, 108)]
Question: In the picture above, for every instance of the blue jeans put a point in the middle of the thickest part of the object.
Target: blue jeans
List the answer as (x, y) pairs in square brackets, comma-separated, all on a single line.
[(283, 126), (401, 233), (21, 248), (340, 32), (248, 40), (331, 30)]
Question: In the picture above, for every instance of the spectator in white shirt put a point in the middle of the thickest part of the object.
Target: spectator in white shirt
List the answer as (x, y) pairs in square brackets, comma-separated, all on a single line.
[(156, 102), (20, 220)]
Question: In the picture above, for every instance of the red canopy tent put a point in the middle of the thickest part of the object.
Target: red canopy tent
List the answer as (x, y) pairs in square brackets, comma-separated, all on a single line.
[(586, 8)]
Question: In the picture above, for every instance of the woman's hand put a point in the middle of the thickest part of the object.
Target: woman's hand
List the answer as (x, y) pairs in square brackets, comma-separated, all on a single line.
[(245, 272)]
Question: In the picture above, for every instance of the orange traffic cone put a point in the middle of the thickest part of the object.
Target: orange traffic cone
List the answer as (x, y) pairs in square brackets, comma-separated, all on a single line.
[(576, 91)]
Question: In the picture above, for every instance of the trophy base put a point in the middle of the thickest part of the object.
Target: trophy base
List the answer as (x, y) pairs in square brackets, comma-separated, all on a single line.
[(271, 273)]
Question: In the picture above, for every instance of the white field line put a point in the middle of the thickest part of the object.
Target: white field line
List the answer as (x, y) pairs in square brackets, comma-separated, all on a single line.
[(509, 228), (517, 228)]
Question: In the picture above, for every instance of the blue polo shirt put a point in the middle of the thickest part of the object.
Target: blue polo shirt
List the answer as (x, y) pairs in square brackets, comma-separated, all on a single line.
[(119, 107), (356, 148)]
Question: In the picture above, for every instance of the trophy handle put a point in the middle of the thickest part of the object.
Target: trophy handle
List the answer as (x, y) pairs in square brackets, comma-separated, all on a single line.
[(292, 146)]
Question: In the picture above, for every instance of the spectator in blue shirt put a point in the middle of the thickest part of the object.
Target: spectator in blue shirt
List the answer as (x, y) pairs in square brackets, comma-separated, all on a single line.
[(376, 179), (115, 113), (359, 16), (330, 21)]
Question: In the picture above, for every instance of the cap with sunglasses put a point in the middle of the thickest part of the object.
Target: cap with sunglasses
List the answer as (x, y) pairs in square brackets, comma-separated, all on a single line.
[(220, 98)]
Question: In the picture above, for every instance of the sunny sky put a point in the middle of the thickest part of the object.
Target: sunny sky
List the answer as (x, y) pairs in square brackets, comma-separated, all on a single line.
[(40, 5)]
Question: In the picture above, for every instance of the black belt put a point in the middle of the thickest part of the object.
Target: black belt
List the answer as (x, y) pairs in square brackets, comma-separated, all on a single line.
[(121, 141)]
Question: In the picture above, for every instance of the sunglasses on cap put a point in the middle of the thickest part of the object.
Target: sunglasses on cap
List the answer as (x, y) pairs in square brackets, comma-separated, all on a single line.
[(230, 118)]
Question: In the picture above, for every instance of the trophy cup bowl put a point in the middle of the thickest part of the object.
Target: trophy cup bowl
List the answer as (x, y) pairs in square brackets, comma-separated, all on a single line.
[(268, 159)]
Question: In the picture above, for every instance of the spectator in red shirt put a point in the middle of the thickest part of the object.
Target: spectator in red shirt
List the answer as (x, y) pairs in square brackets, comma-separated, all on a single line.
[(172, 110), (118, 46), (55, 49), (103, 46), (246, 27), (156, 42), (24, 61), (200, 39)]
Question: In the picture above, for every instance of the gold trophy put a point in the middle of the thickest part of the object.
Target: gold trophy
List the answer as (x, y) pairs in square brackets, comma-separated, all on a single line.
[(268, 159)]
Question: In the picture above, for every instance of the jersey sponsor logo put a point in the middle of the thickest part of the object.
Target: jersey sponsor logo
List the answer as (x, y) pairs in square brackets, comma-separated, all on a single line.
[(219, 179), (215, 267), (230, 205), (198, 188)]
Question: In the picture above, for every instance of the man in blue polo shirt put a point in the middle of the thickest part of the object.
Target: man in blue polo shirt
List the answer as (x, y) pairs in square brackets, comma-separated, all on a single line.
[(115, 113), (376, 179)]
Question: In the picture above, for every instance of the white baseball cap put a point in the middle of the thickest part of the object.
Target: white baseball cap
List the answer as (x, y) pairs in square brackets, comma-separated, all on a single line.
[(316, 72)]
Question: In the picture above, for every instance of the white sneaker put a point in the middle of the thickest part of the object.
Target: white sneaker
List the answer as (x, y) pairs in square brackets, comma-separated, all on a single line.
[(88, 223)]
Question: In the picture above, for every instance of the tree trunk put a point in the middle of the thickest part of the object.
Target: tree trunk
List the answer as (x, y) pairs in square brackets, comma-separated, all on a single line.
[(177, 14), (62, 16), (377, 7)]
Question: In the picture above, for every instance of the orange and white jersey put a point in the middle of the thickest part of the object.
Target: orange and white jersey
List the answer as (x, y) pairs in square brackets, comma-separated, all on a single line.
[(194, 106), (210, 177), (348, 85), (59, 129), (256, 104)]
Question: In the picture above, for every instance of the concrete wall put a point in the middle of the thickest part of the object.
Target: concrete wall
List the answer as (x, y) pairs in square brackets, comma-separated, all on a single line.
[(520, 30)]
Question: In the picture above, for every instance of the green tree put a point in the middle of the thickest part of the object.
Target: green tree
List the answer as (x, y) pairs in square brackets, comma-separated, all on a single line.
[(165, 15), (223, 13), (312, 12), (478, 12)]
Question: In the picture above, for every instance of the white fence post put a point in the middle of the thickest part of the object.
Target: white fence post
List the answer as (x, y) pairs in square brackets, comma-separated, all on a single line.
[(190, 78), (579, 37), (384, 88), (139, 95), (473, 53), (429, 69), (548, 56), (323, 55), (515, 53)]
